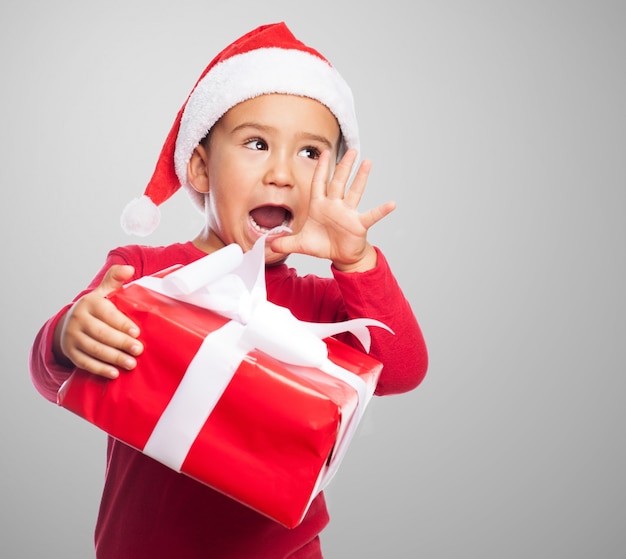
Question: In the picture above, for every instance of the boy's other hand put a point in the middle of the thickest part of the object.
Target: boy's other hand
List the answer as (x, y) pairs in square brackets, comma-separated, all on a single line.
[(334, 228), (94, 335)]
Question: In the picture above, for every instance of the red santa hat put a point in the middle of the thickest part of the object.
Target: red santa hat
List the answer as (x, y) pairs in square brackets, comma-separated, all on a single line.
[(268, 59)]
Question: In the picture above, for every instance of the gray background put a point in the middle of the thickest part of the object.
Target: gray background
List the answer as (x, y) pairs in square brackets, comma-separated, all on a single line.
[(500, 130)]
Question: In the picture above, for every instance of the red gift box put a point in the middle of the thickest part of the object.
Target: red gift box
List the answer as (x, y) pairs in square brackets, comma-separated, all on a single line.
[(276, 432)]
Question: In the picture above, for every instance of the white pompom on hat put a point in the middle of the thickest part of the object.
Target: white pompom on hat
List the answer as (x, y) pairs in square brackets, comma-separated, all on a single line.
[(268, 59)]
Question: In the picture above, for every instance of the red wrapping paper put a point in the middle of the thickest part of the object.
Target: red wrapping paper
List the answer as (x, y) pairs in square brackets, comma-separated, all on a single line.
[(270, 436)]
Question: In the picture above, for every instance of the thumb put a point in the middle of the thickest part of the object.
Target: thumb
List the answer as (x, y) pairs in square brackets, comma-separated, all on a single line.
[(116, 276)]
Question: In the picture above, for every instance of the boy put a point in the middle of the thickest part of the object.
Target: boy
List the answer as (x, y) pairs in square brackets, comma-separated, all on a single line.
[(255, 146)]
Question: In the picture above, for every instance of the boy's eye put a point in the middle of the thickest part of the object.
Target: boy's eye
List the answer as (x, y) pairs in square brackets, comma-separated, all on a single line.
[(310, 152), (256, 144)]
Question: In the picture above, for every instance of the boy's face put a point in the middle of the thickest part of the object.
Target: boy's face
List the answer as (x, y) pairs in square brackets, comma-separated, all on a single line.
[(258, 167)]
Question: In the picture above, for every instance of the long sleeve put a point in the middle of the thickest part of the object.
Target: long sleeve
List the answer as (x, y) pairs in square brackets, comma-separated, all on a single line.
[(376, 294), (46, 374), (372, 294)]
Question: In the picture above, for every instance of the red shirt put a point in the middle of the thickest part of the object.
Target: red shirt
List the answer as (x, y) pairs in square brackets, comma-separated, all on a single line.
[(150, 511)]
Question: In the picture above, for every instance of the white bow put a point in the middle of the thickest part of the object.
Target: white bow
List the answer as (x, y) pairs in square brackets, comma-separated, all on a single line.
[(232, 284)]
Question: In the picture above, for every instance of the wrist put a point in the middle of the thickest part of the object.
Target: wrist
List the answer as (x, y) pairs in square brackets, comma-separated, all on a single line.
[(367, 262), (58, 353)]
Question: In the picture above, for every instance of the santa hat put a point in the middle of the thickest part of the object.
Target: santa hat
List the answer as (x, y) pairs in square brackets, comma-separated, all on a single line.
[(268, 59)]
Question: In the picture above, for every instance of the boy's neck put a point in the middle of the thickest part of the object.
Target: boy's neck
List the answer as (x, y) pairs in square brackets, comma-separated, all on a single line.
[(208, 242)]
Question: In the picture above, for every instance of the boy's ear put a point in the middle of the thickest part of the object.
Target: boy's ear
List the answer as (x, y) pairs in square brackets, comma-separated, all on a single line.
[(197, 170)]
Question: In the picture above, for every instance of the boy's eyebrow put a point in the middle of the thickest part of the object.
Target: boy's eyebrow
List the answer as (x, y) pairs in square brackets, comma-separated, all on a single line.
[(321, 139), (265, 128)]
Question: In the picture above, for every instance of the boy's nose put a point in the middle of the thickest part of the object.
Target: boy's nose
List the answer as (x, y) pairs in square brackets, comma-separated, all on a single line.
[(279, 170)]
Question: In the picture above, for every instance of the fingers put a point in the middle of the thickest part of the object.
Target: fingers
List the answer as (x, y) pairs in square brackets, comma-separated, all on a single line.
[(337, 185), (336, 188), (320, 176), (101, 360), (374, 215), (104, 310), (321, 186), (115, 277), (99, 338), (355, 192)]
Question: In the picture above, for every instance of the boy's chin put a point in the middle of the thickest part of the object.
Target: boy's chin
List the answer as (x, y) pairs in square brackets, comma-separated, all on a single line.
[(274, 258)]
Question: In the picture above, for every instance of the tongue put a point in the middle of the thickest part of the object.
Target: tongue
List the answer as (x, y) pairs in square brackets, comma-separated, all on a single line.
[(268, 217)]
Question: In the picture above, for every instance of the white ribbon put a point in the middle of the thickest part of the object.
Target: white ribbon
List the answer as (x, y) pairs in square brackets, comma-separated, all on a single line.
[(232, 284)]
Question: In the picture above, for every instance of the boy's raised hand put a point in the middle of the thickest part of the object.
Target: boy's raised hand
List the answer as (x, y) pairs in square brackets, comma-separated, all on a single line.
[(94, 335), (335, 229)]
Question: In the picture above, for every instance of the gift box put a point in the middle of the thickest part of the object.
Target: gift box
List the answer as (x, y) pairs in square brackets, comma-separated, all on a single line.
[(248, 400)]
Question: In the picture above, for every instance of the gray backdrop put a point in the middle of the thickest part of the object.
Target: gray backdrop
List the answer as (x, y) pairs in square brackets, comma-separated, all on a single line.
[(500, 130)]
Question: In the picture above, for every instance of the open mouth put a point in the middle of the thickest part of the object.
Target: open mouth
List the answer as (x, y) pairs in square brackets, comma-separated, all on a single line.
[(266, 218)]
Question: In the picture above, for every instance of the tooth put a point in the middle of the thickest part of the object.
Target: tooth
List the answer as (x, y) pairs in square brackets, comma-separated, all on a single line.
[(257, 226)]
